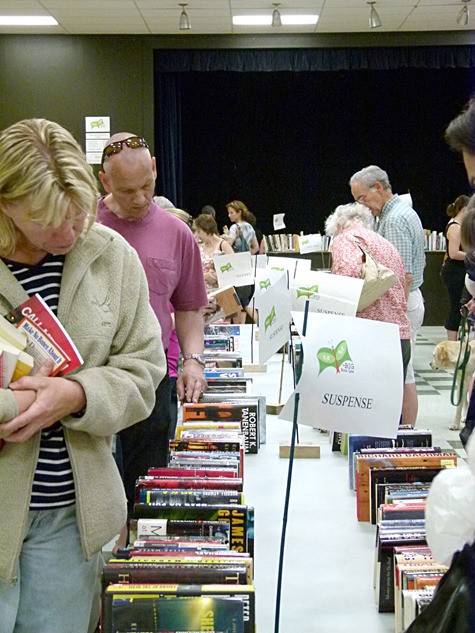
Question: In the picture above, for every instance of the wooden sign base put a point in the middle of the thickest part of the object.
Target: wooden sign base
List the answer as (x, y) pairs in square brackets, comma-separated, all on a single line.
[(254, 367), (308, 450), (274, 408)]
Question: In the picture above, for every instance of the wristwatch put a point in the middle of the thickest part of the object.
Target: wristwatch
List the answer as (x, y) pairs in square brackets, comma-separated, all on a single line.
[(198, 357)]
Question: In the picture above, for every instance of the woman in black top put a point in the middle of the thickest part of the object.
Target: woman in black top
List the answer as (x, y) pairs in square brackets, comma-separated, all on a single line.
[(453, 268)]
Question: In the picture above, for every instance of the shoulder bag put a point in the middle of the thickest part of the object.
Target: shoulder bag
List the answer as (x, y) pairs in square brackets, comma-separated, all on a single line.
[(378, 279)]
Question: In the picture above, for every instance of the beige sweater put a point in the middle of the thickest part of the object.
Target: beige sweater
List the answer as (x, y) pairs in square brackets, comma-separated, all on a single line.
[(105, 308)]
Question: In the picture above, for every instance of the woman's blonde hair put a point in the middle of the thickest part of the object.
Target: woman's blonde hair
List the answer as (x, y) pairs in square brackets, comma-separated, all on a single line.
[(41, 163)]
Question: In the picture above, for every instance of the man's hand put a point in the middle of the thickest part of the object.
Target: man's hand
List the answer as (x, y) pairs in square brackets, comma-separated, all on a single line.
[(42, 401), (191, 382)]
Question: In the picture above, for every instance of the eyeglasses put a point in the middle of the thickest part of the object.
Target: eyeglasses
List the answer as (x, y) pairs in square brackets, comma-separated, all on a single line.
[(116, 147)]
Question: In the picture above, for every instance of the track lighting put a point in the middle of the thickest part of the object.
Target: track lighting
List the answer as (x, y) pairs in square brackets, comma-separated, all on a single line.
[(184, 22), (462, 18), (276, 19), (374, 19)]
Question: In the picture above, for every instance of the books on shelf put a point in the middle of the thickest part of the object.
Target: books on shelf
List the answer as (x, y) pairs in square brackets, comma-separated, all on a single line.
[(434, 241), (179, 607), (392, 465)]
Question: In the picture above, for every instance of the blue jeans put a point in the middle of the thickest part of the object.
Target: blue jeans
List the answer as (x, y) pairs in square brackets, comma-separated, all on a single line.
[(54, 586)]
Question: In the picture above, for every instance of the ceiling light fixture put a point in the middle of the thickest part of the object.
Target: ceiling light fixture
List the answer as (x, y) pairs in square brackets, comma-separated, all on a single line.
[(27, 20), (184, 22), (374, 19), (276, 17), (266, 20), (462, 18)]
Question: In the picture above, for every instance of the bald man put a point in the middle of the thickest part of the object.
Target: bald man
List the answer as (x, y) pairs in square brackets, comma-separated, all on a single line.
[(171, 259)]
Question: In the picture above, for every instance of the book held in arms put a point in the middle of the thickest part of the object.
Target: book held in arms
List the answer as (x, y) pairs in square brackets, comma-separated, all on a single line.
[(46, 336), (14, 361)]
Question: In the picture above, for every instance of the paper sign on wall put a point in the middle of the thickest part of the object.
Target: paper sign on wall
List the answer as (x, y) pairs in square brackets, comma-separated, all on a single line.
[(279, 221), (352, 378)]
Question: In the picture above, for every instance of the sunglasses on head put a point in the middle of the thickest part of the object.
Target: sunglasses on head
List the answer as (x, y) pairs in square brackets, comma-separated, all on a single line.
[(117, 146)]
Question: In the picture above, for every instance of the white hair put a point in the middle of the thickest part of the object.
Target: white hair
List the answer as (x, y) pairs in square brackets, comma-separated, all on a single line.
[(368, 176), (347, 215)]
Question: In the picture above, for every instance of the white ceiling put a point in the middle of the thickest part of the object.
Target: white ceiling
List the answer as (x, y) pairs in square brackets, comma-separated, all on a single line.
[(159, 17)]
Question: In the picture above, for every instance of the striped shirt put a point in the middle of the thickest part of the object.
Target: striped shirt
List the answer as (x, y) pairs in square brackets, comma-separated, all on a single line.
[(400, 224), (53, 483)]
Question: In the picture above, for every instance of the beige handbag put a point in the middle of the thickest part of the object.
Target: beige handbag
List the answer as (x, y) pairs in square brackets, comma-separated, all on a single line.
[(378, 279)]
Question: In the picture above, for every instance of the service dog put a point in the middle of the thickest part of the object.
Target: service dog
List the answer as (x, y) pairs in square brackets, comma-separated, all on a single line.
[(445, 356)]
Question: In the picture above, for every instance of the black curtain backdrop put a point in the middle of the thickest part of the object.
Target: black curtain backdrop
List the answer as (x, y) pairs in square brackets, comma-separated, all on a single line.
[(288, 142)]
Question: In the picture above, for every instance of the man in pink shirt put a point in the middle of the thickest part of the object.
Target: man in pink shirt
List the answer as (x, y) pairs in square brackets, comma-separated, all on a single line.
[(171, 259)]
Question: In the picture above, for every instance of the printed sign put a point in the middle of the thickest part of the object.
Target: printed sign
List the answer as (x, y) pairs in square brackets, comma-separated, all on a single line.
[(326, 293), (310, 243), (273, 308), (234, 270), (279, 221), (352, 379)]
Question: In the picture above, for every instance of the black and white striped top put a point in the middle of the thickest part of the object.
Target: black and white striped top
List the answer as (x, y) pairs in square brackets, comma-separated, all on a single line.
[(53, 484)]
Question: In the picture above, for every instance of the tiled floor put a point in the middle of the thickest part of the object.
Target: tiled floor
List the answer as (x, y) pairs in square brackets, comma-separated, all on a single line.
[(328, 561)]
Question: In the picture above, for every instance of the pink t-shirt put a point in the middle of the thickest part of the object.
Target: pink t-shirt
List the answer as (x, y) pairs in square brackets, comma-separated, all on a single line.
[(171, 259), (347, 259)]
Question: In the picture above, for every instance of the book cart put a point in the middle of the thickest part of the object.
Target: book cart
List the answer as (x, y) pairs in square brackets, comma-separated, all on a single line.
[(189, 562)]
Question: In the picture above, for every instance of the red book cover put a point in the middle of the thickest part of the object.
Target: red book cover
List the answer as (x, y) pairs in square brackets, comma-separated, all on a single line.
[(46, 335)]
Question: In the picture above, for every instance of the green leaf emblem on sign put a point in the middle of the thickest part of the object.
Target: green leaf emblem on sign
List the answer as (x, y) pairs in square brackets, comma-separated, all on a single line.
[(227, 267), (270, 319), (310, 291), (263, 285), (333, 356)]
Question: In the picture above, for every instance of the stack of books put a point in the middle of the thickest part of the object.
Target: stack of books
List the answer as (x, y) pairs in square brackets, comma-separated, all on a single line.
[(189, 562)]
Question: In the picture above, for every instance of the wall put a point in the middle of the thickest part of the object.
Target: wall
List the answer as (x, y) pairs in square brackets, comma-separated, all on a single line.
[(66, 78)]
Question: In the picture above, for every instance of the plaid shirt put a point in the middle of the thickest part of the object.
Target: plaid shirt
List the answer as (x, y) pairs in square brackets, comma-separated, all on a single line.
[(400, 224)]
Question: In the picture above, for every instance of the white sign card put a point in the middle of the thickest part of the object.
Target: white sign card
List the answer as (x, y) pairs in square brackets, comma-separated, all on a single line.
[(259, 261), (327, 293), (98, 123), (279, 221), (273, 308), (310, 243), (267, 277), (234, 270), (352, 379)]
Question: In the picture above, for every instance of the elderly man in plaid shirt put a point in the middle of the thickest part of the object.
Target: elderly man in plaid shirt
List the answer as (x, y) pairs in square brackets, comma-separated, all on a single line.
[(400, 224)]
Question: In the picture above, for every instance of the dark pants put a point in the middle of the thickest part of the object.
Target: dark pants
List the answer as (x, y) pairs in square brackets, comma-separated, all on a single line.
[(145, 444)]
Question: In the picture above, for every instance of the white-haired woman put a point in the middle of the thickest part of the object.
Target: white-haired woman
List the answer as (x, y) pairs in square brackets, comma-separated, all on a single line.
[(350, 225)]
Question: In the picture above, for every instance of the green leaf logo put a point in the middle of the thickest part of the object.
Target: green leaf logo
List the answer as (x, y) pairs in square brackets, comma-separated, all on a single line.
[(97, 123), (309, 292), (270, 319), (263, 285), (333, 356), (276, 268), (228, 266), (305, 242)]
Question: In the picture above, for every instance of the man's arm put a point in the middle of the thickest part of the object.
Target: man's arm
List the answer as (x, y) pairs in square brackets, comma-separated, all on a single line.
[(189, 328), (407, 285)]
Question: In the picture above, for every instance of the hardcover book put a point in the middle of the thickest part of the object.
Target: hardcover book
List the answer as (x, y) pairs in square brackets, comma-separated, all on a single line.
[(138, 594), (177, 615), (395, 458)]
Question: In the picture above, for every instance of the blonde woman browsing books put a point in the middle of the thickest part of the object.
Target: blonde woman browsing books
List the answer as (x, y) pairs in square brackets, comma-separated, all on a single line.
[(61, 496)]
